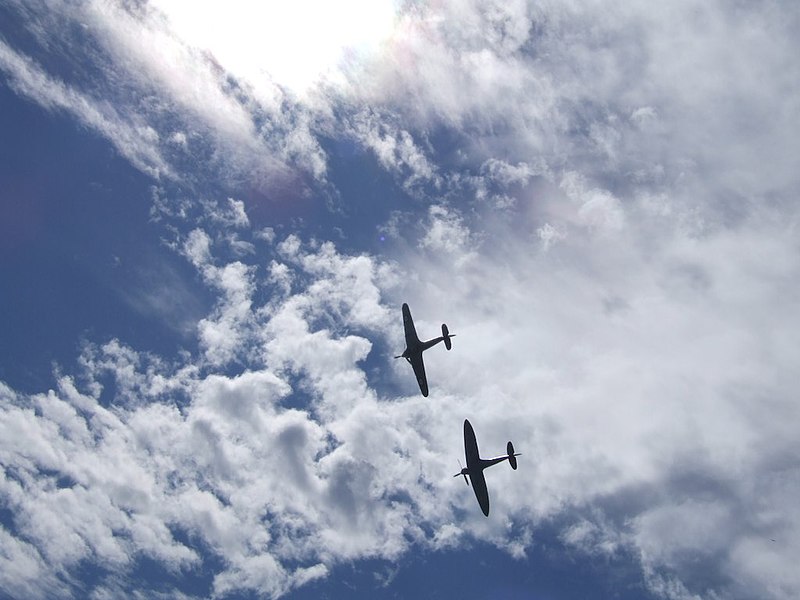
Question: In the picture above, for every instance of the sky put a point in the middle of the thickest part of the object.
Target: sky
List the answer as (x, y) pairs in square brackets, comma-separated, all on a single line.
[(210, 216)]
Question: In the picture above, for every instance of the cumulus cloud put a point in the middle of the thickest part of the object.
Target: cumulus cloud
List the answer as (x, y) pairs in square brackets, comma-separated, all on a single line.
[(173, 463), (632, 377), (644, 428), (447, 234)]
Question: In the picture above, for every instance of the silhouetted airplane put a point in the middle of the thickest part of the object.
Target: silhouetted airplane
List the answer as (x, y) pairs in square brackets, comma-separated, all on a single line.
[(415, 348), (476, 465)]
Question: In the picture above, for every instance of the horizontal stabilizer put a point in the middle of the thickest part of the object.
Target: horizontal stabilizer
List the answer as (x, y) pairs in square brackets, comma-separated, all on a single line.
[(512, 458), (446, 335)]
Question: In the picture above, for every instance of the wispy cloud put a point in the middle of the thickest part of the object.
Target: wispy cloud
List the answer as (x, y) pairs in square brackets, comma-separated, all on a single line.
[(164, 103), (134, 138)]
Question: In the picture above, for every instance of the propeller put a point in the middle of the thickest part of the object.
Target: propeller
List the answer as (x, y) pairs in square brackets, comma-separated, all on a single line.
[(461, 472)]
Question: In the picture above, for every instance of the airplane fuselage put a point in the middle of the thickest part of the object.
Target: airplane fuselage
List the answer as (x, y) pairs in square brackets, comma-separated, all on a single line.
[(483, 463), (419, 347), (478, 467)]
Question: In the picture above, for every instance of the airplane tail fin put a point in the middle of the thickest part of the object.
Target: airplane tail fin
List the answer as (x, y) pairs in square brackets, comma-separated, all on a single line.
[(512, 456), (447, 335)]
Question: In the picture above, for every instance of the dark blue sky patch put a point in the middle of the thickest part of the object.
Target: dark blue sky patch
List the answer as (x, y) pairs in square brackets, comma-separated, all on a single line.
[(482, 571), (302, 397), (79, 257), (364, 198), (379, 373), (151, 575), (7, 520), (73, 55)]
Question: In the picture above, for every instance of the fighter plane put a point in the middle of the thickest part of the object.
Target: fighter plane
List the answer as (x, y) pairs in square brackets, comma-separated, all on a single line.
[(476, 465), (415, 348)]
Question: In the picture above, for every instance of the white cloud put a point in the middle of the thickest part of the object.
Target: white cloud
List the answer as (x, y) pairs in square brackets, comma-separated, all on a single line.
[(221, 334), (447, 233), (628, 381), (25, 573), (133, 137), (163, 100), (197, 247), (635, 412), (599, 210), (549, 235), (234, 215), (184, 451), (396, 151)]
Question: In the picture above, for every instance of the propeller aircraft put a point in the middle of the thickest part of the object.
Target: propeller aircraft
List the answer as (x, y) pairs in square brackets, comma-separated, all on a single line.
[(476, 465), (415, 348)]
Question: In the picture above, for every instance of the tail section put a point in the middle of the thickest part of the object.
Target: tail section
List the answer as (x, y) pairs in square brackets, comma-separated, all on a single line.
[(446, 335), (512, 456)]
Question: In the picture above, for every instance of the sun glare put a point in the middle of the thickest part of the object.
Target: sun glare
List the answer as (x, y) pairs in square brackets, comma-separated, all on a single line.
[(294, 44)]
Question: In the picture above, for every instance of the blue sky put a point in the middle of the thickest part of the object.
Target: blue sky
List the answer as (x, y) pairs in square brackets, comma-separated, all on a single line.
[(210, 217)]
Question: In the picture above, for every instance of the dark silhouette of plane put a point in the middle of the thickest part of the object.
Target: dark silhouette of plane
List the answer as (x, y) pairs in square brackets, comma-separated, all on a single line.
[(415, 348), (476, 465)]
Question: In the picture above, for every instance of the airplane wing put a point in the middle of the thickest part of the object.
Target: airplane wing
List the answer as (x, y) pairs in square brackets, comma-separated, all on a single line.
[(408, 324), (474, 466), (419, 371), (471, 446), (481, 493)]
